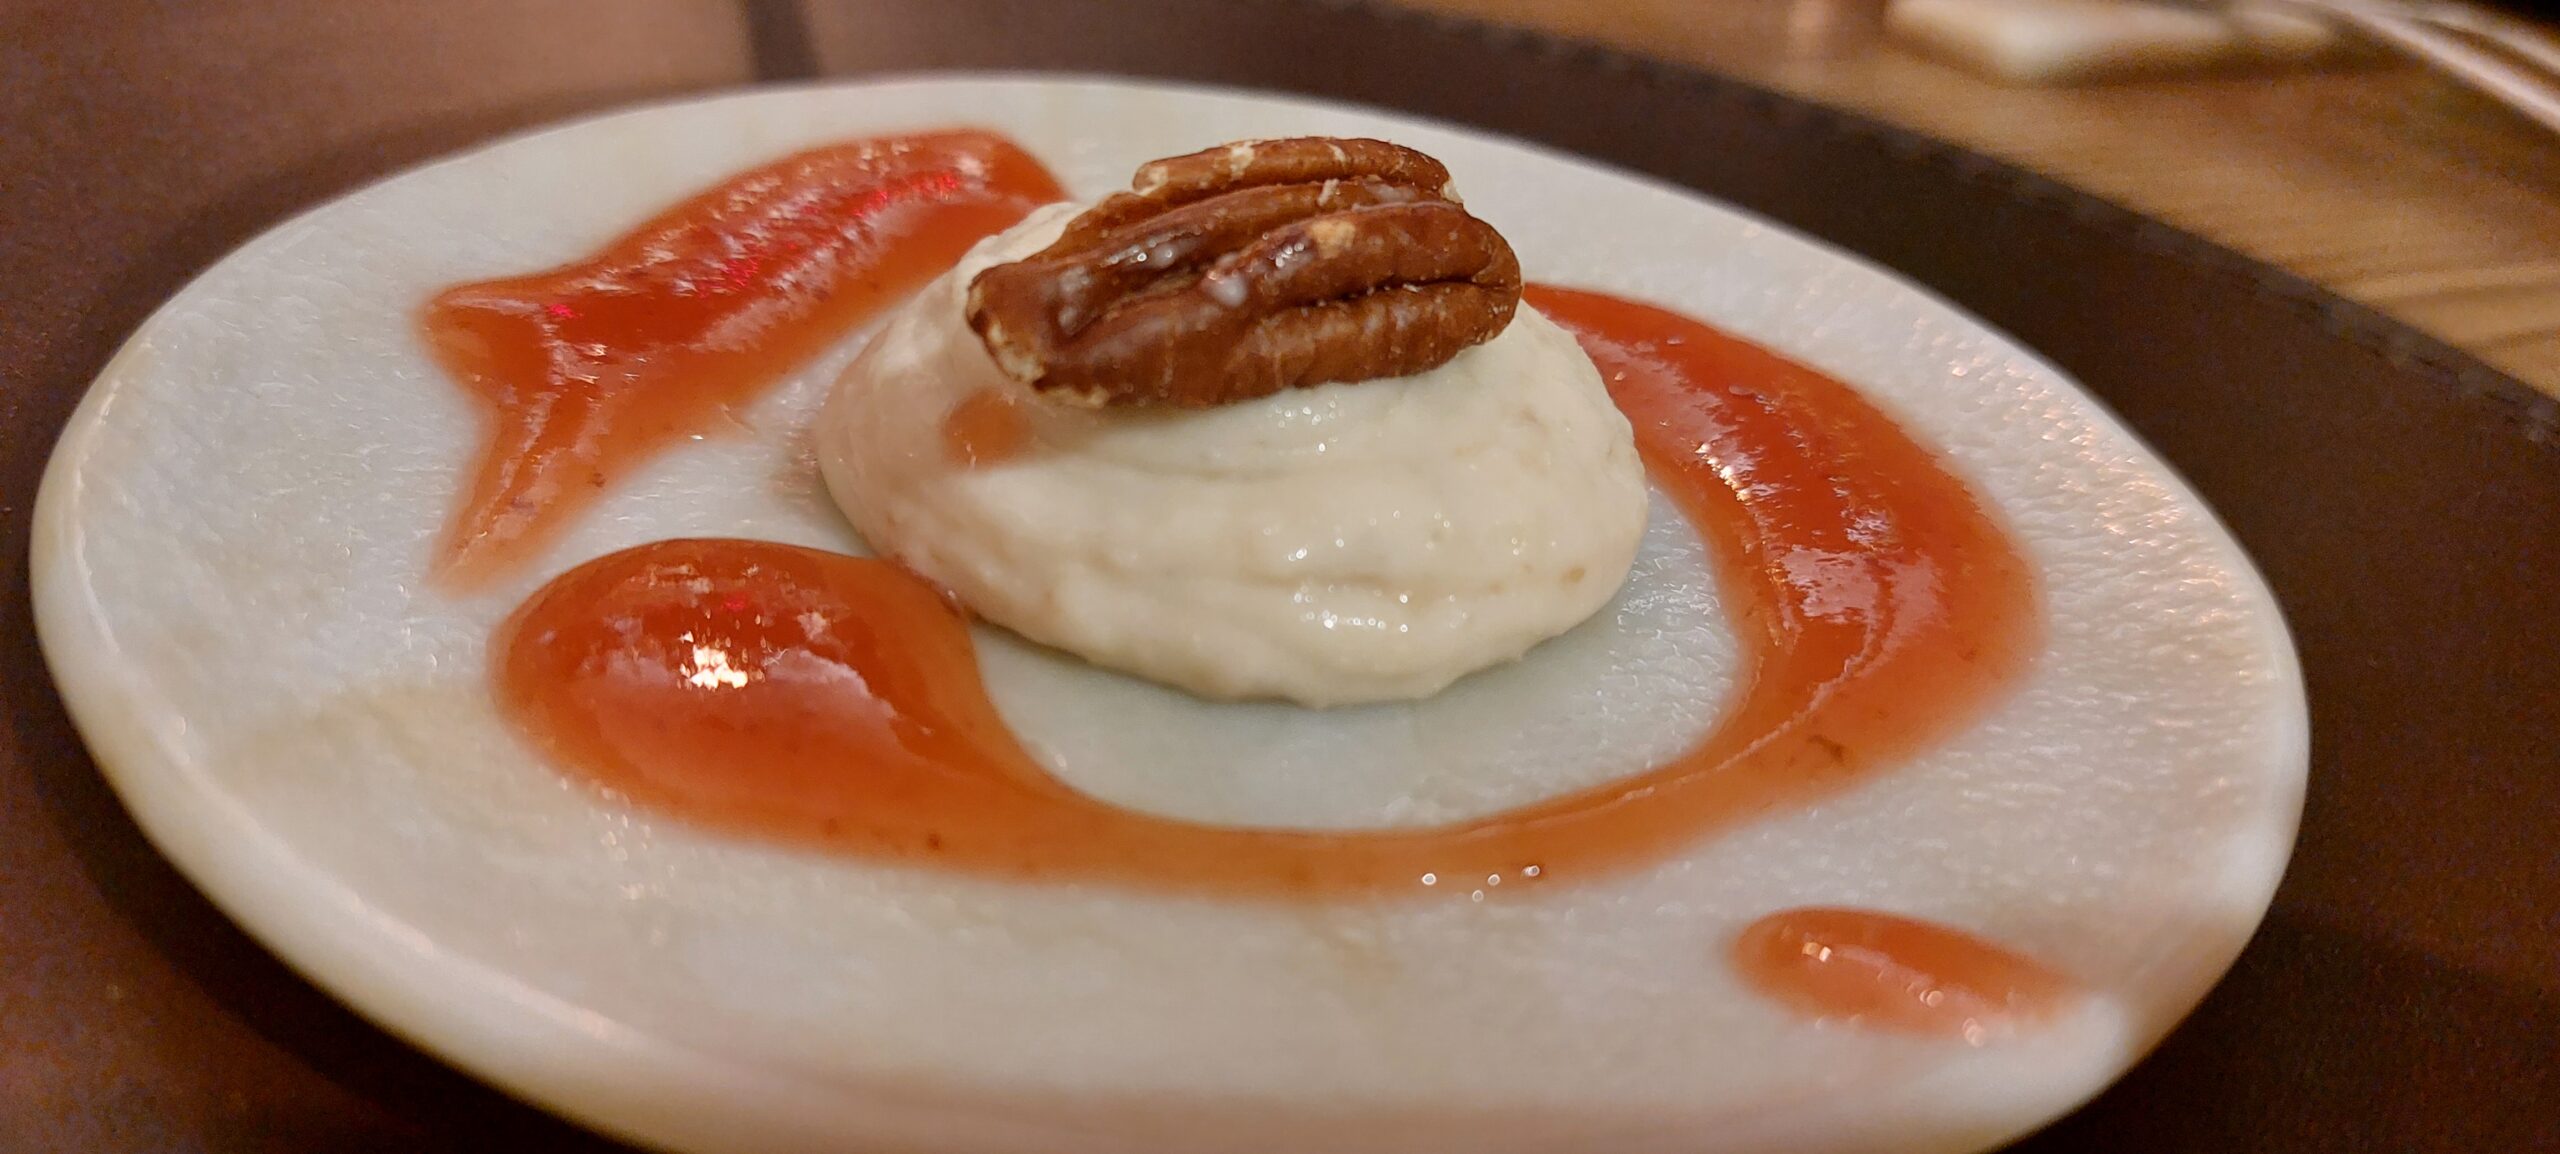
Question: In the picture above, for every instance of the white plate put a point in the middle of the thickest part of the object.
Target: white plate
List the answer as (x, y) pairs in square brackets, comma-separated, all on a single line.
[(227, 561)]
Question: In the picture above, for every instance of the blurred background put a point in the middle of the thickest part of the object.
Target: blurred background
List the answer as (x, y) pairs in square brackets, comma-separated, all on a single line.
[(2333, 138), (2300, 134)]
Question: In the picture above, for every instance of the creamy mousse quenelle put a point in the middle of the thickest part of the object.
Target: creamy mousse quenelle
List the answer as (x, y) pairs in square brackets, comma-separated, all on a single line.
[(1273, 424)]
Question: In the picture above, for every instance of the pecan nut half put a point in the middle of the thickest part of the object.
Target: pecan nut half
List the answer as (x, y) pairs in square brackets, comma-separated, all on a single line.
[(1241, 271)]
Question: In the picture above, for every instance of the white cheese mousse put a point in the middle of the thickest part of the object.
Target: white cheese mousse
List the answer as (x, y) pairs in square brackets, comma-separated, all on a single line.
[(1347, 543)]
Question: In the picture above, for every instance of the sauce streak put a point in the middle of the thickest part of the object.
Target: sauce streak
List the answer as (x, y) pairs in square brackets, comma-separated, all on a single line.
[(836, 701), (587, 370), (1895, 973)]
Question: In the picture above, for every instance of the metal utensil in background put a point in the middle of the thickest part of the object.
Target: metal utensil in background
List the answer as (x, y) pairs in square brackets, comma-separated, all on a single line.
[(2449, 37)]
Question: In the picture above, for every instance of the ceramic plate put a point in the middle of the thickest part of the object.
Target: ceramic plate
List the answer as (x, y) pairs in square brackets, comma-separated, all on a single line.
[(228, 562)]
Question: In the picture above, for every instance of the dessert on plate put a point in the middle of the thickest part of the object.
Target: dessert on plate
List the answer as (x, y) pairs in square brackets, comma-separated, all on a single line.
[(1273, 424), (873, 642)]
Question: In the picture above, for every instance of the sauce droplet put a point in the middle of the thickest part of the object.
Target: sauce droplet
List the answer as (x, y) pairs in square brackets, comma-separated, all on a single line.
[(586, 370), (834, 700), (1895, 973), (986, 428)]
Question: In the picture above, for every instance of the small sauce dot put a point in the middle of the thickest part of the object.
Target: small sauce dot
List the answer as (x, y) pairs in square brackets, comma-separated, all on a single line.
[(986, 428), (1895, 973)]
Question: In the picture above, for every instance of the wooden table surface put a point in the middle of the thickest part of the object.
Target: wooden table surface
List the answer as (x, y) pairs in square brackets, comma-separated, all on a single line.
[(2373, 178)]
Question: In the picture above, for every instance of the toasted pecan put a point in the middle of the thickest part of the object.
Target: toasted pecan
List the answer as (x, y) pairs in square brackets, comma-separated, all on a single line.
[(1240, 271)]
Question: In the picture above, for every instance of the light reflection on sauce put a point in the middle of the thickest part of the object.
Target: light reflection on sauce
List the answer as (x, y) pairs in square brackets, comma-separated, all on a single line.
[(586, 370), (1895, 973), (836, 701)]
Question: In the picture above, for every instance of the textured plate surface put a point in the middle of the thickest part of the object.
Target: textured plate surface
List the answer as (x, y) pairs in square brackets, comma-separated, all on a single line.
[(228, 551)]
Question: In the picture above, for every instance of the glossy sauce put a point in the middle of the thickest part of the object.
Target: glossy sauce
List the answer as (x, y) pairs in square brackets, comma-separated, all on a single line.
[(1890, 972), (586, 370), (836, 701)]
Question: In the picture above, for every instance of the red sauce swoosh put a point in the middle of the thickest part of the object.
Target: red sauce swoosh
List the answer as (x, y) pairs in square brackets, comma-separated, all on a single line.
[(587, 370)]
